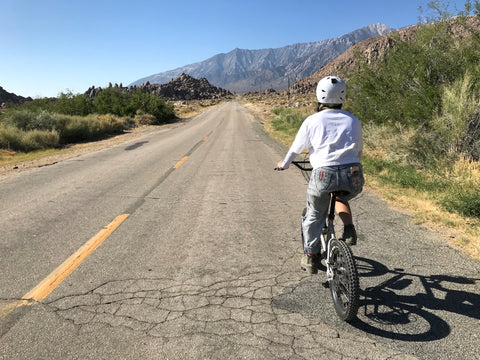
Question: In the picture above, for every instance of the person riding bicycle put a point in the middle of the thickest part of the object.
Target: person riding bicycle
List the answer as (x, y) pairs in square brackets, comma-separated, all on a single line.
[(334, 139)]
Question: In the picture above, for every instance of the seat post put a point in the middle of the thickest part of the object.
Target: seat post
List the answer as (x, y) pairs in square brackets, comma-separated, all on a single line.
[(333, 199)]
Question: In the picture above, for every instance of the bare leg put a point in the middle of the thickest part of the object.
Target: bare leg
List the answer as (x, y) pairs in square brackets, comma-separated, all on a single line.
[(345, 213), (343, 210)]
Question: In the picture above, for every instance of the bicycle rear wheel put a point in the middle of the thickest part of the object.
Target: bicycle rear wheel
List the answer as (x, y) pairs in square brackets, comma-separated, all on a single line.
[(344, 286)]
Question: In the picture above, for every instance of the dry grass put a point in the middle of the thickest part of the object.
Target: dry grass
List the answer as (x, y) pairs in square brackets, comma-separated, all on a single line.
[(459, 231), (8, 157)]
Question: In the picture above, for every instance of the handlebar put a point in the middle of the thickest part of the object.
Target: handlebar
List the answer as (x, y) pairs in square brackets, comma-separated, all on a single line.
[(303, 165)]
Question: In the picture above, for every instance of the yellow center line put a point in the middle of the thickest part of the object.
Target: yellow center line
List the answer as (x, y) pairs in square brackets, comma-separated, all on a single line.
[(177, 165), (47, 285)]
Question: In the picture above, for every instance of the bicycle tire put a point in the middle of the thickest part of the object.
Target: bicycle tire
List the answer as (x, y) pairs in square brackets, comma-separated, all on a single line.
[(344, 286)]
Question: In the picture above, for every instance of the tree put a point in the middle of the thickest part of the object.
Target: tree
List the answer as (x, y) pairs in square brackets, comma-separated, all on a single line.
[(111, 101), (148, 103), (70, 104)]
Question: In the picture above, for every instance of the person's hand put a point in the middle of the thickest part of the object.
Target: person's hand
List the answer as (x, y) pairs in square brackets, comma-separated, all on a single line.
[(279, 165)]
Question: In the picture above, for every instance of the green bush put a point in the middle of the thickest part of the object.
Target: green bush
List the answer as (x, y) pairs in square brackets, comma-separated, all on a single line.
[(16, 139), (407, 86), (459, 123), (41, 114), (287, 120), (115, 101), (70, 104), (425, 90), (144, 119), (47, 104), (464, 201), (147, 103), (107, 124), (29, 120), (112, 101), (74, 129), (390, 172), (39, 140), (20, 119), (10, 137), (26, 130)]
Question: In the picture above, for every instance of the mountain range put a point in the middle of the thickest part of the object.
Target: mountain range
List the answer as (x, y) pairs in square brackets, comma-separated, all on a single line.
[(243, 70)]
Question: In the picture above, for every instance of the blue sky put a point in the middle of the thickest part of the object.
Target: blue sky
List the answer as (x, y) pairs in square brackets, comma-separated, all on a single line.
[(52, 46)]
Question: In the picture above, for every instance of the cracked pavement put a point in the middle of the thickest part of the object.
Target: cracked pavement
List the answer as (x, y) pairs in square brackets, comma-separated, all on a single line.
[(237, 313), (207, 264)]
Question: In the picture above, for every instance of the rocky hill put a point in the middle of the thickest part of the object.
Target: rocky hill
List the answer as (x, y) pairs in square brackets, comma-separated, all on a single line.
[(372, 49), (256, 70), (184, 87), (6, 97)]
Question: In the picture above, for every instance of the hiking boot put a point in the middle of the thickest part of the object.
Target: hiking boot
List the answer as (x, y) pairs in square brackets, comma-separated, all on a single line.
[(350, 234), (309, 263)]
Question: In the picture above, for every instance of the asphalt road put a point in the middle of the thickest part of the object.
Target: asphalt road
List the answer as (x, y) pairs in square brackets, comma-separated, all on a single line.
[(204, 263)]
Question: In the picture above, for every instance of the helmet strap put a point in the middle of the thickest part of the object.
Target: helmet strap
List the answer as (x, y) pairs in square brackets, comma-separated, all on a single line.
[(321, 106)]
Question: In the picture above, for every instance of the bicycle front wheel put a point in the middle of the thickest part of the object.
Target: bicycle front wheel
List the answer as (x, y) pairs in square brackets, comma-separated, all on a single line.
[(344, 286)]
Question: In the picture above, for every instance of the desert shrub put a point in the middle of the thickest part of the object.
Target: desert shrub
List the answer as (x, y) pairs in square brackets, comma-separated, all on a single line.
[(287, 120), (144, 119), (46, 104), (82, 128), (13, 138), (147, 103), (115, 101), (459, 123), (72, 128), (25, 130), (29, 120), (39, 140), (107, 124), (111, 101), (430, 87), (462, 200), (389, 140), (390, 172), (18, 118), (71, 104), (10, 137), (406, 87), (426, 150), (43, 120)]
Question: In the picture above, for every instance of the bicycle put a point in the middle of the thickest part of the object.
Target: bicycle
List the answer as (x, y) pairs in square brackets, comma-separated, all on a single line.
[(341, 270)]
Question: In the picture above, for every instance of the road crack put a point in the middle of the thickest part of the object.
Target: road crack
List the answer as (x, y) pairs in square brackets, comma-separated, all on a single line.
[(240, 312)]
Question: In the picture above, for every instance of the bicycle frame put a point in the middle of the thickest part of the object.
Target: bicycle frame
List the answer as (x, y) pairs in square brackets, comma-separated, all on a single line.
[(328, 234)]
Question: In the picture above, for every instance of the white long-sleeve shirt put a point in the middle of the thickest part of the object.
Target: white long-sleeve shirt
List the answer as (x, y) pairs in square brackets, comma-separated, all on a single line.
[(332, 137)]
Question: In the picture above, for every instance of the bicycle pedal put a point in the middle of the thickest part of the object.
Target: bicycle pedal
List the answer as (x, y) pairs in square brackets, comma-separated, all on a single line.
[(326, 285)]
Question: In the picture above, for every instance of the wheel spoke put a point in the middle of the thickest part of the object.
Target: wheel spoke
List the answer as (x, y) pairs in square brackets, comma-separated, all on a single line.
[(344, 285)]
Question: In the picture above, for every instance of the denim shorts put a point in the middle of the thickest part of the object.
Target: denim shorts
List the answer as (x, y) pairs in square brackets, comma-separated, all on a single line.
[(345, 178)]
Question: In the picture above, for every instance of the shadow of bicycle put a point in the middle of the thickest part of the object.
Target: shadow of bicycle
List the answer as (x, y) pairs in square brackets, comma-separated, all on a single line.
[(406, 306)]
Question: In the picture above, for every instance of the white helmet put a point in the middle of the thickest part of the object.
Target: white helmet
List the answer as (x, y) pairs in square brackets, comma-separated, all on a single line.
[(331, 90)]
